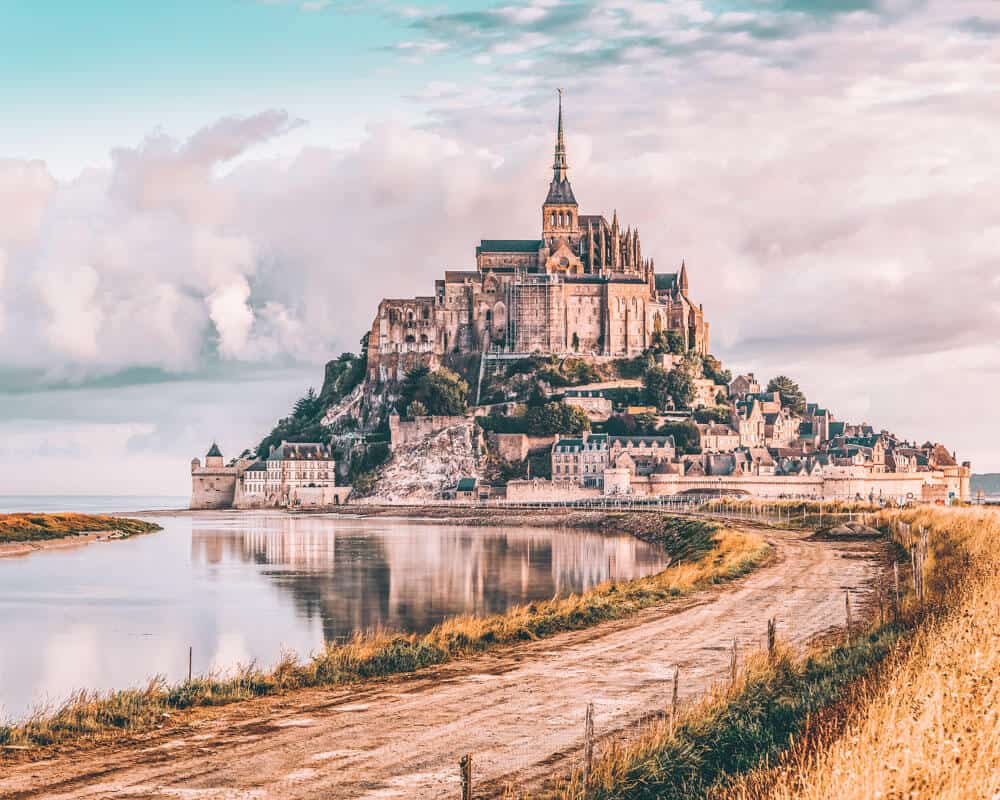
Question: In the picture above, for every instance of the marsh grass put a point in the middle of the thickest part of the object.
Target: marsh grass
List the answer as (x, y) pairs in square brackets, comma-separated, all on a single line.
[(908, 709), (733, 730), (40, 527), (931, 727), (720, 555)]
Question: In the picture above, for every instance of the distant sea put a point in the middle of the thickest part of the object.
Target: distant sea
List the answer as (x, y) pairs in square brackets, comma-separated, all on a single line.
[(89, 504)]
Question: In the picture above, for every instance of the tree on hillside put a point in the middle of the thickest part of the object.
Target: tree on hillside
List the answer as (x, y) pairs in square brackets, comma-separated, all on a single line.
[(416, 409), (687, 437), (307, 406), (556, 417), (656, 384), (680, 386), (675, 342), (713, 369), (440, 393), (712, 415), (791, 395), (693, 365)]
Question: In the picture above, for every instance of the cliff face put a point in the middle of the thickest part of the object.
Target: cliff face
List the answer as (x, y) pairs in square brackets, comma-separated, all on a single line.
[(421, 470)]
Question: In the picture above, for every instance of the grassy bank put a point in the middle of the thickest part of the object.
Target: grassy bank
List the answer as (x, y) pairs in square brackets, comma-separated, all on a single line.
[(930, 727), (907, 709), (44, 527), (734, 729), (702, 554)]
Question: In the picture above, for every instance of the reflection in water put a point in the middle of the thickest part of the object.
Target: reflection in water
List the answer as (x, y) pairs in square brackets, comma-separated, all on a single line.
[(405, 576), (242, 587)]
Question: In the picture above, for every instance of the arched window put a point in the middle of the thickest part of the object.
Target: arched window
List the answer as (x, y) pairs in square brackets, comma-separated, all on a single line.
[(552, 219), (426, 313), (409, 316)]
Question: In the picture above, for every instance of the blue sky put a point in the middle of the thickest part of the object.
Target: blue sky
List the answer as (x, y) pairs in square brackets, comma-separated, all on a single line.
[(201, 202)]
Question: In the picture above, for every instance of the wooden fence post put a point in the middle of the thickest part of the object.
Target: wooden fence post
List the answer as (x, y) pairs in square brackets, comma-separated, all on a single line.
[(190, 660), (771, 643), (673, 702), (895, 577), (847, 608), (588, 736), (732, 664), (465, 765)]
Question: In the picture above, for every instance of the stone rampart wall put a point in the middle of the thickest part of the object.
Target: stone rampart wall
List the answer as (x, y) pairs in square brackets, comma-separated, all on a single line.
[(214, 488), (543, 491), (412, 431)]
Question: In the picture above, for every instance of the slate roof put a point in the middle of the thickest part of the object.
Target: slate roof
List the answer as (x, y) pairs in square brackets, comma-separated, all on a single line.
[(666, 282), (300, 451), (257, 466), (560, 192), (466, 485), (662, 441), (213, 451), (508, 246), (596, 220)]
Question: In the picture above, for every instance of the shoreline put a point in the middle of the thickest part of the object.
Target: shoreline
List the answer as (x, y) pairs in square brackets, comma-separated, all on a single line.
[(16, 549), (702, 555)]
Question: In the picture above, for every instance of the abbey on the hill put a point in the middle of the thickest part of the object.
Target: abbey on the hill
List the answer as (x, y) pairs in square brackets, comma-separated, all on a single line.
[(584, 287)]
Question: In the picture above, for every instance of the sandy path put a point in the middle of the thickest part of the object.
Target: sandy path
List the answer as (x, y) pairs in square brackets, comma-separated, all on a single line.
[(520, 711)]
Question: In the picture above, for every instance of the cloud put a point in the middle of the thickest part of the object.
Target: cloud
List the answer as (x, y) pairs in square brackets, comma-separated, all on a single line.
[(828, 171)]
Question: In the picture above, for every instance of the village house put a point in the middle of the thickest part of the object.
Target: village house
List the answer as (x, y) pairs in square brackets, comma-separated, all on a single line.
[(747, 417), (580, 460), (715, 438), (743, 385)]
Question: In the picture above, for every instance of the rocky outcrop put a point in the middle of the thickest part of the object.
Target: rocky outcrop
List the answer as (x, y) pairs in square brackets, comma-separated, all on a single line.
[(423, 469)]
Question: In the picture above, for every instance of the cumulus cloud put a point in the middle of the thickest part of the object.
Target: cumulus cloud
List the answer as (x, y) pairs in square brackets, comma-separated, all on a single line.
[(827, 169)]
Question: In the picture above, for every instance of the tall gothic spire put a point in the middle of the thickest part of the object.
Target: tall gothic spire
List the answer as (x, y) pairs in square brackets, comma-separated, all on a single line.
[(560, 165), (560, 192)]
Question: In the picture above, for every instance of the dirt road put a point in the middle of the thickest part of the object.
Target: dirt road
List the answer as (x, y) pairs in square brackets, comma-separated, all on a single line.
[(520, 711)]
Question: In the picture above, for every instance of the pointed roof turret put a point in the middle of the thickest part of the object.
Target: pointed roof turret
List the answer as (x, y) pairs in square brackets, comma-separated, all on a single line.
[(682, 279), (214, 451), (560, 192)]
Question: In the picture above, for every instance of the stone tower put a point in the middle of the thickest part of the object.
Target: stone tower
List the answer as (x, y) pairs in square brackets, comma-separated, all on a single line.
[(560, 213), (213, 458)]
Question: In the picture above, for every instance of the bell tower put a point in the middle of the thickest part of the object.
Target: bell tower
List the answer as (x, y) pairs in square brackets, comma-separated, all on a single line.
[(560, 214)]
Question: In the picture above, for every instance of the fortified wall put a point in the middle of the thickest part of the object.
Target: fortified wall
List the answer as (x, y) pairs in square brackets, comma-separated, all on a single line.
[(406, 432), (214, 485), (917, 486)]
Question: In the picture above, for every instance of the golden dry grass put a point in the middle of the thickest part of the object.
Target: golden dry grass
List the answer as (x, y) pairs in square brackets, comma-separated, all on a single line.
[(36, 527), (930, 726)]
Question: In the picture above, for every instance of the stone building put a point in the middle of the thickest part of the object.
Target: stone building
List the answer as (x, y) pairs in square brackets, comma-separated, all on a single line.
[(214, 485), (582, 286)]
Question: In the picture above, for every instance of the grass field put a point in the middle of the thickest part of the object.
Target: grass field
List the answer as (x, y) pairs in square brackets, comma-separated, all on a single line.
[(703, 554), (43, 527)]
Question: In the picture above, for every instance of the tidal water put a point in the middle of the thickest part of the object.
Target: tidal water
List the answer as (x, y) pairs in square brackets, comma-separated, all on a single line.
[(88, 504), (241, 588)]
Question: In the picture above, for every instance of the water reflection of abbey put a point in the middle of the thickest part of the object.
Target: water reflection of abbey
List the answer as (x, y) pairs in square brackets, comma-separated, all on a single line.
[(409, 576)]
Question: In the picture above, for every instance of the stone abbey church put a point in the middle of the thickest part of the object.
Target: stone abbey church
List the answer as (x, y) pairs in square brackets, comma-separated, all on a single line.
[(583, 288)]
